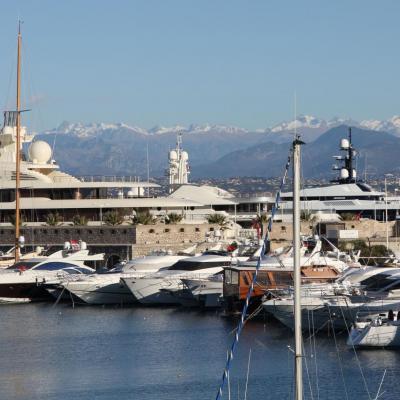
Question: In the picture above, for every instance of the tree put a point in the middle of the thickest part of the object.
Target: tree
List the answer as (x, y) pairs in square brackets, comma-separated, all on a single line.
[(218, 219), (21, 220), (112, 218), (143, 218), (348, 216), (53, 219), (79, 220), (173, 218)]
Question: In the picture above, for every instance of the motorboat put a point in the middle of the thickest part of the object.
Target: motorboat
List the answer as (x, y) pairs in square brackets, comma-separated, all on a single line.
[(157, 288), (382, 331), (276, 272), (366, 291), (105, 287), (27, 279), (205, 293)]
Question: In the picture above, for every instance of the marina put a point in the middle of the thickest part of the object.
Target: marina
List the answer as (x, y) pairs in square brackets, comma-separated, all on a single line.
[(128, 272)]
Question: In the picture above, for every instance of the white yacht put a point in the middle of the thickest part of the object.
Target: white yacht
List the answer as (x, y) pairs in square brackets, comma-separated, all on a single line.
[(27, 278), (382, 331), (204, 293), (106, 287), (365, 292), (346, 194), (311, 254), (156, 288)]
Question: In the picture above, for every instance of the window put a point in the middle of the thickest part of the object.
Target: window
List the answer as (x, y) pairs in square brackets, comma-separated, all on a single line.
[(235, 278), (378, 281), (182, 230), (227, 276), (24, 265), (151, 231), (166, 230), (183, 265), (53, 266), (197, 229)]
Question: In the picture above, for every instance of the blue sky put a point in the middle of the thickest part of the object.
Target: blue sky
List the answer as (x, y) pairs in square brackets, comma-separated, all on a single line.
[(185, 61)]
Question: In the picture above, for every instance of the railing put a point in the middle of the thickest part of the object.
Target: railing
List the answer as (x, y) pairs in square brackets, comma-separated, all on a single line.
[(108, 178)]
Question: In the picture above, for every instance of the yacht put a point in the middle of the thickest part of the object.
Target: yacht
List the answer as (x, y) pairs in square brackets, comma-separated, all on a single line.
[(276, 271), (106, 287), (27, 278), (157, 288), (204, 293), (346, 194), (366, 292), (382, 331)]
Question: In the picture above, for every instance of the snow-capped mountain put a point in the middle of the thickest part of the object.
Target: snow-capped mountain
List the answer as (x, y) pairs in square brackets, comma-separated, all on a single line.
[(121, 149), (307, 125), (391, 125)]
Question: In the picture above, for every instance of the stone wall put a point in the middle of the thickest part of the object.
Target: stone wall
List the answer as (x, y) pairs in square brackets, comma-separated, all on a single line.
[(140, 239), (172, 237)]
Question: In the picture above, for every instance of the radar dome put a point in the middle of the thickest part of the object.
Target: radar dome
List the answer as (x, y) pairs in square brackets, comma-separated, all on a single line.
[(40, 152), (344, 144), (173, 155), (185, 155), (344, 174)]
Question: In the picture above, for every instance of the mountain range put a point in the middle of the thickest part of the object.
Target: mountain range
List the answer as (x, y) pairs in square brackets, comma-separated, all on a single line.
[(220, 150)]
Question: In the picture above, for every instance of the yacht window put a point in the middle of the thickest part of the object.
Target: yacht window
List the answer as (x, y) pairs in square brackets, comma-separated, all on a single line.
[(378, 281), (395, 286), (283, 278), (54, 266), (263, 278), (24, 265), (195, 265), (235, 278), (227, 276)]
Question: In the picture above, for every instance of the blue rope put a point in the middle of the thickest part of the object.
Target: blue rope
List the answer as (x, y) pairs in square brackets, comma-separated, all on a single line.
[(251, 288)]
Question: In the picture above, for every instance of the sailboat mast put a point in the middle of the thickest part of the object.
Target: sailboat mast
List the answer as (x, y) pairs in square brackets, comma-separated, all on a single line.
[(18, 149), (296, 269)]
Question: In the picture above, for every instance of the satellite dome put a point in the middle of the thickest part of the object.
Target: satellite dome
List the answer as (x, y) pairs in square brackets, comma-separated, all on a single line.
[(185, 155), (8, 130), (40, 152), (173, 155)]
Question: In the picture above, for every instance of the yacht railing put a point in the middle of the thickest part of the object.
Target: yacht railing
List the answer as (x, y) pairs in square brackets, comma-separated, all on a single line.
[(108, 178)]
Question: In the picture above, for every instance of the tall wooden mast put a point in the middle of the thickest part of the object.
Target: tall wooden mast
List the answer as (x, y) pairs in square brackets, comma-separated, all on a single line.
[(18, 149)]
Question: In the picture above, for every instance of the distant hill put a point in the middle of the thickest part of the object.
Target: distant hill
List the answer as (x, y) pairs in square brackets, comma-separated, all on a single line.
[(267, 159), (217, 150)]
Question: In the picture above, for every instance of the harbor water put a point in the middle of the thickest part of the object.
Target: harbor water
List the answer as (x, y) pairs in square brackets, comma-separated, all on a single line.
[(171, 353)]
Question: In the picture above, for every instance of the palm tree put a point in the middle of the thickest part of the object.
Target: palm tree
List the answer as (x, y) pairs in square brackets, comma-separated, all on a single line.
[(53, 219), (143, 218), (173, 218), (112, 218), (79, 220), (218, 219)]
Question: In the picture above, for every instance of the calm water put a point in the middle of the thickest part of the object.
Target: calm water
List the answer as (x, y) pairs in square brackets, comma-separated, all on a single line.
[(139, 353)]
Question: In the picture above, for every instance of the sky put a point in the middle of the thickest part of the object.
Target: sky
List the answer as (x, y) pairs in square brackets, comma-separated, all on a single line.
[(167, 62)]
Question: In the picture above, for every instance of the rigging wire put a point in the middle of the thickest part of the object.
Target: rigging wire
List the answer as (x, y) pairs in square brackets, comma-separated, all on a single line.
[(356, 356), (338, 354), (265, 246)]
